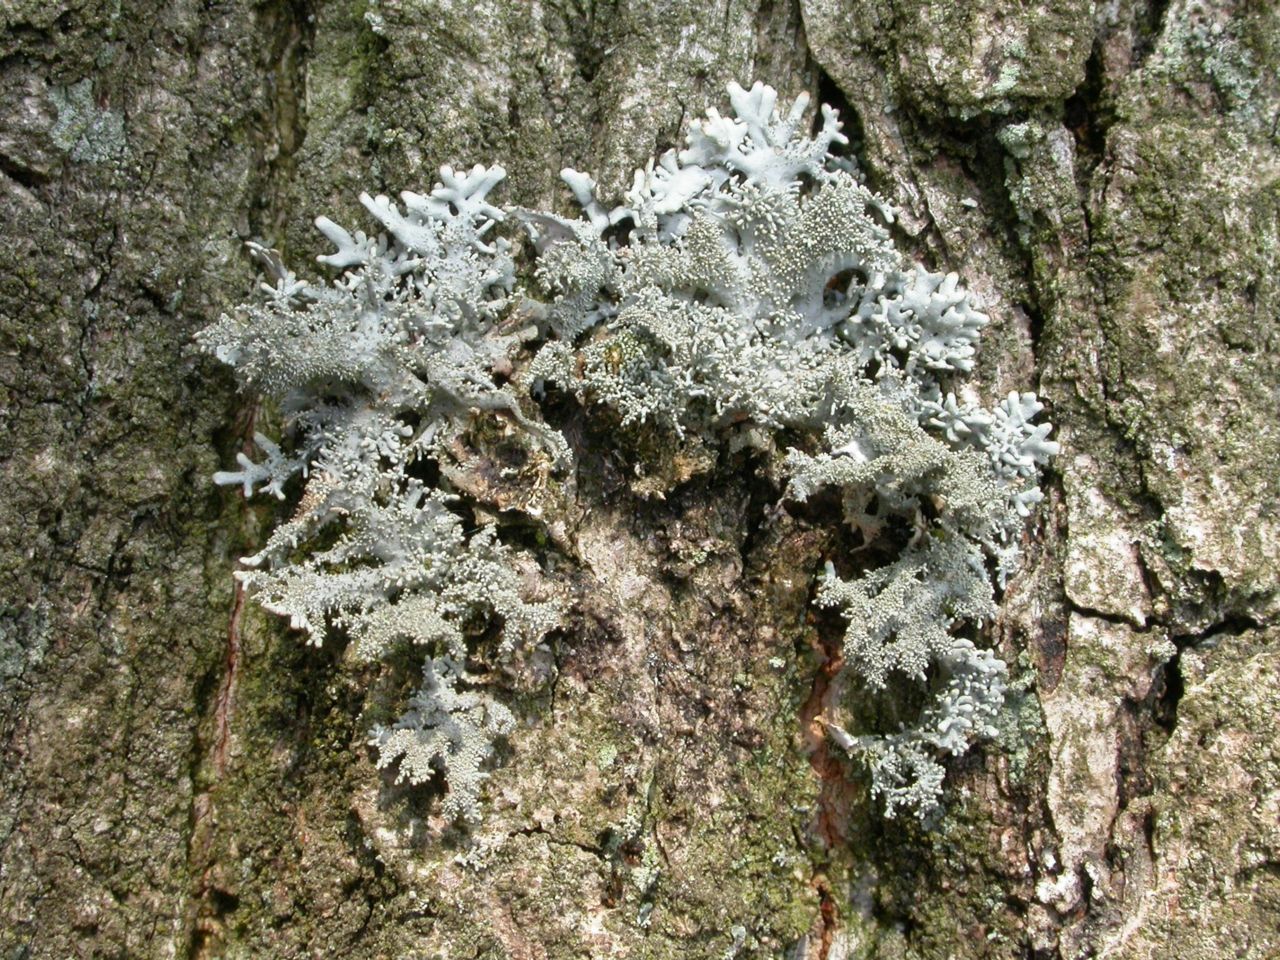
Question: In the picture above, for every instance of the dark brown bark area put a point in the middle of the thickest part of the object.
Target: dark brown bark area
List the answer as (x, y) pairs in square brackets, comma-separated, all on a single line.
[(183, 778)]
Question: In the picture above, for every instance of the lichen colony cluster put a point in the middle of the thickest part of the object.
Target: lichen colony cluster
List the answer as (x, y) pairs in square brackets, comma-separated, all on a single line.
[(746, 292)]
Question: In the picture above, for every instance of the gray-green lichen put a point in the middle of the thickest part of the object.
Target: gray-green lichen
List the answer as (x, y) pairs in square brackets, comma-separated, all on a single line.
[(87, 132)]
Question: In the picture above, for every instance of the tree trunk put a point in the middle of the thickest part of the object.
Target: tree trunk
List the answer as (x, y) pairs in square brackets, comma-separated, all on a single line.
[(183, 778)]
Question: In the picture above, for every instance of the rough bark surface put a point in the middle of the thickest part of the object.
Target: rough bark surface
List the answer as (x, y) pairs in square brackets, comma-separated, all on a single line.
[(182, 778)]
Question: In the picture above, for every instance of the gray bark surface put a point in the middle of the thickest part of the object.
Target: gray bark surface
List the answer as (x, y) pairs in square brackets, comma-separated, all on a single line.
[(183, 778)]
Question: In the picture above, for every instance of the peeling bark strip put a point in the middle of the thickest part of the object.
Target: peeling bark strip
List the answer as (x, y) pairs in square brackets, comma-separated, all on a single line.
[(834, 793), (830, 919), (224, 701), (1133, 246), (224, 704), (830, 820), (210, 897)]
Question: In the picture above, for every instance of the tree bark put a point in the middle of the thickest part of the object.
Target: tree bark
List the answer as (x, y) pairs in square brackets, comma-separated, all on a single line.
[(183, 778)]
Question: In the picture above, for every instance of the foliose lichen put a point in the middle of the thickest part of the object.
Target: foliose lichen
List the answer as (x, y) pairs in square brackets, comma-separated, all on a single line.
[(376, 373), (749, 281), (747, 287)]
